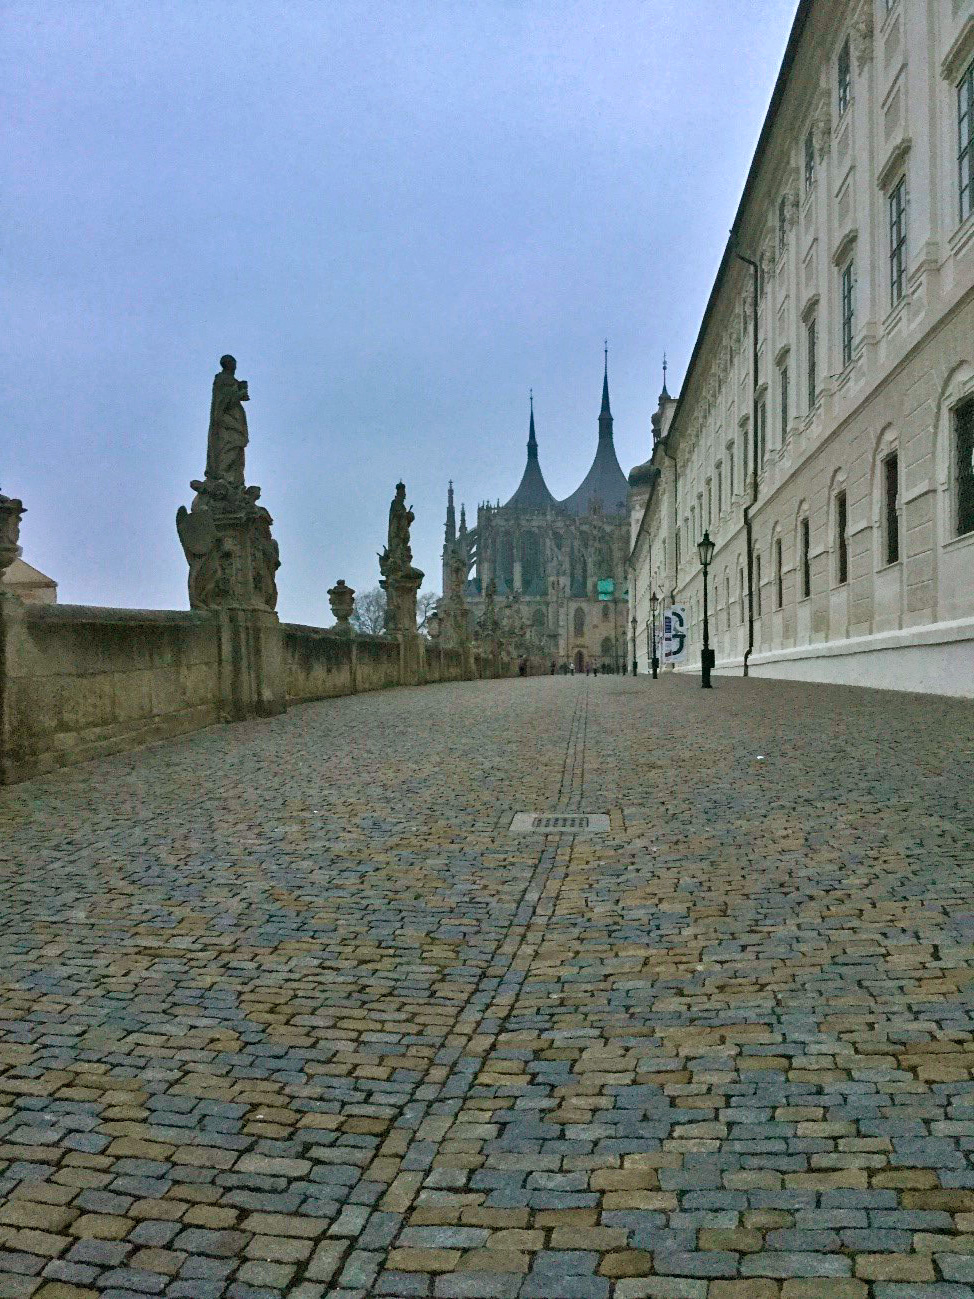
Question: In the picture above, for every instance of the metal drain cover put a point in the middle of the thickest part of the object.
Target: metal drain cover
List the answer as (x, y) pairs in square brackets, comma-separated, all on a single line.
[(559, 823)]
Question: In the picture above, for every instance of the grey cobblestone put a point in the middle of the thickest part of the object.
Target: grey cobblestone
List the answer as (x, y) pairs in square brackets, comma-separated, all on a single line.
[(287, 1012)]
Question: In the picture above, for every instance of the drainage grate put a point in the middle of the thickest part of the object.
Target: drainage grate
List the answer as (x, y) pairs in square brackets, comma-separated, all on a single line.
[(556, 823), (560, 823)]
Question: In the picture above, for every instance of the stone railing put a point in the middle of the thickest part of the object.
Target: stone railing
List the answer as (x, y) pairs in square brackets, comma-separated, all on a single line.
[(77, 682)]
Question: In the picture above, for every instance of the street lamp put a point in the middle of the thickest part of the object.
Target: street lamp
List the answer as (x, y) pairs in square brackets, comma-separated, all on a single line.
[(705, 549), (635, 665), (654, 605)]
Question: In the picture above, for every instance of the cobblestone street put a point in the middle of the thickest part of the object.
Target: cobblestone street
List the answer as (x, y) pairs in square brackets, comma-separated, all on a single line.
[(285, 1009)]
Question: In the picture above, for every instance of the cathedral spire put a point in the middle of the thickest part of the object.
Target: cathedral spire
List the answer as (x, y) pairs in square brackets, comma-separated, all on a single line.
[(605, 414), (451, 518), (532, 440), (664, 395)]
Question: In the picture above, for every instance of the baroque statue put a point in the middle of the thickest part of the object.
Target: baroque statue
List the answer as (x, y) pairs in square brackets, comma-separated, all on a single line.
[(397, 558), (227, 439), (11, 510), (226, 536)]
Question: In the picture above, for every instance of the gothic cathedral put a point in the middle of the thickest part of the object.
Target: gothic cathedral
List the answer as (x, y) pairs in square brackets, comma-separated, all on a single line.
[(550, 560)]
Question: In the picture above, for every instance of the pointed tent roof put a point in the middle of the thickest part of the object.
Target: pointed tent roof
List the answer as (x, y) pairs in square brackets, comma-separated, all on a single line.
[(532, 492), (605, 482)]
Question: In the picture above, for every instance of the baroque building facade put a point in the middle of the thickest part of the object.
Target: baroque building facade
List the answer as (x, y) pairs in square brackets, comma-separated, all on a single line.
[(546, 558), (824, 435)]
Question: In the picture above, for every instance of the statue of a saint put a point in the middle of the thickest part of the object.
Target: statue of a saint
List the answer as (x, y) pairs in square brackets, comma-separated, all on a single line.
[(228, 426), (397, 558)]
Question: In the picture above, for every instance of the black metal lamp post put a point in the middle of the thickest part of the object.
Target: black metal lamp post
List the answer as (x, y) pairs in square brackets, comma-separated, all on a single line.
[(654, 605), (635, 665), (705, 549)]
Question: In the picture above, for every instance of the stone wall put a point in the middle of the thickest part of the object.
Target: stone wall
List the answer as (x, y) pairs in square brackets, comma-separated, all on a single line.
[(79, 682)]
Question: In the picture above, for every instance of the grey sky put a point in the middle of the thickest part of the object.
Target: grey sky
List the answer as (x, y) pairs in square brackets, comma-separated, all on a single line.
[(397, 216)]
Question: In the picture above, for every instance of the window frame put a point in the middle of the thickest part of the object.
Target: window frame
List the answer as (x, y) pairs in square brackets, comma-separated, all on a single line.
[(757, 586), (783, 395), (844, 77), (891, 502), (963, 481), (965, 147), (811, 360), (847, 310), (841, 537), (762, 433), (805, 555), (809, 159), (779, 574), (897, 211)]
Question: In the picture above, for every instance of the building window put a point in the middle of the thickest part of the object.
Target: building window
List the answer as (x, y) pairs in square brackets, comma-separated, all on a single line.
[(848, 312), (605, 611), (693, 524), (897, 243), (783, 396), (806, 562), (720, 491), (841, 538), (845, 76), (744, 446), (740, 596), (809, 160), (964, 446), (779, 576), (782, 223), (762, 434), (730, 471), (965, 124), (710, 504), (757, 586), (579, 622), (891, 492), (727, 601), (811, 352)]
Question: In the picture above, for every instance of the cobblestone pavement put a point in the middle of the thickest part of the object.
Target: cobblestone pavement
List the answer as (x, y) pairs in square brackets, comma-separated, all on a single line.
[(286, 1010)]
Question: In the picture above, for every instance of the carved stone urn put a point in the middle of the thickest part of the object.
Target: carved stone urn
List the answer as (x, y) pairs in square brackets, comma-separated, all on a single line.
[(10, 514), (341, 597)]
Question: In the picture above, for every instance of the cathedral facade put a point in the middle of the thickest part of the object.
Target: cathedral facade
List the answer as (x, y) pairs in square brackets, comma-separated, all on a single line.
[(547, 560)]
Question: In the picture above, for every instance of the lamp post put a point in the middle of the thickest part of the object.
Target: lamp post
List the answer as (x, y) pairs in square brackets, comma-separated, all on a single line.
[(635, 665), (705, 549), (654, 605)]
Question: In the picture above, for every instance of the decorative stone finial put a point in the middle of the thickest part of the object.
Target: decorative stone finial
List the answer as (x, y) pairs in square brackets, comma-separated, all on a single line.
[(341, 597)]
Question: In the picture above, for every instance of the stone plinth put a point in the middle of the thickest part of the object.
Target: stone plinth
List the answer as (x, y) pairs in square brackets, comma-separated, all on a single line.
[(11, 511), (233, 558)]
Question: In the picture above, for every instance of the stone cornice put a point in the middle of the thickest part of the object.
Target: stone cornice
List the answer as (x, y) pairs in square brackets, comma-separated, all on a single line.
[(960, 52), (895, 160)]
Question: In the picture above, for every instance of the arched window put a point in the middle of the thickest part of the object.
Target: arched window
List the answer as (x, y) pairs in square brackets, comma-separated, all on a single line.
[(740, 596), (578, 622), (607, 649), (505, 562), (579, 573), (531, 574)]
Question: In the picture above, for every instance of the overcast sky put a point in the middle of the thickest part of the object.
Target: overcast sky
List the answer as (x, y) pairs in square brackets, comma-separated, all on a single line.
[(399, 217)]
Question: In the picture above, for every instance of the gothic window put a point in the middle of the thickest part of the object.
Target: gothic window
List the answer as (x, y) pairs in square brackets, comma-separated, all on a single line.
[(607, 649), (578, 623), (505, 559), (605, 611), (579, 573), (531, 574)]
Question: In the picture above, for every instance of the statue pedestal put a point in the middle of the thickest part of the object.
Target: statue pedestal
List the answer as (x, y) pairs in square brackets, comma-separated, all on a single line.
[(233, 559), (401, 589)]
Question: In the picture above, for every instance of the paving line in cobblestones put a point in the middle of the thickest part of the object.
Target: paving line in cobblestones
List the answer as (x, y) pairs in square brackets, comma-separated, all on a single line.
[(344, 1263)]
